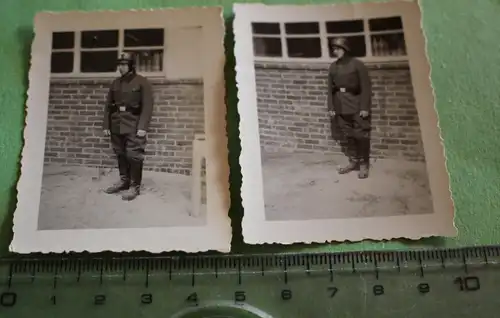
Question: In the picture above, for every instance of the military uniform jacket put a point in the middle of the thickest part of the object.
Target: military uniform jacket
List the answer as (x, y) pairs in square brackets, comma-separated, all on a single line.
[(129, 105), (349, 86)]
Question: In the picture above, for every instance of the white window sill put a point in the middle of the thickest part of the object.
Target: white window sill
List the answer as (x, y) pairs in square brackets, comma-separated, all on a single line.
[(103, 75)]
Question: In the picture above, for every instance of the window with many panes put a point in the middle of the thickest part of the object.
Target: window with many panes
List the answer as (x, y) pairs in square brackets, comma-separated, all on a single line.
[(374, 38), (96, 51)]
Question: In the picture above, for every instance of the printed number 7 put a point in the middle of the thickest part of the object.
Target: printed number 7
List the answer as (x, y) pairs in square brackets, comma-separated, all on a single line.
[(332, 291)]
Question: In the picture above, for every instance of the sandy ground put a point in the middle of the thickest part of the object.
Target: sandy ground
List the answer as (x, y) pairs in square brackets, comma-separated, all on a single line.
[(73, 198), (307, 186)]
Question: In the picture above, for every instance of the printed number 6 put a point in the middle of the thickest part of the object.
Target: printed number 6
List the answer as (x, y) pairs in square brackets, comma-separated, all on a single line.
[(239, 296)]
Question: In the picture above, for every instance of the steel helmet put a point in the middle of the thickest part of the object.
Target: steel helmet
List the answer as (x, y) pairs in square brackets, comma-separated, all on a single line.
[(127, 57), (341, 43)]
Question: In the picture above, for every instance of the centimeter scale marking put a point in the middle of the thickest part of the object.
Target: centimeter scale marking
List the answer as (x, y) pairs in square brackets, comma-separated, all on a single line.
[(240, 265), (268, 270)]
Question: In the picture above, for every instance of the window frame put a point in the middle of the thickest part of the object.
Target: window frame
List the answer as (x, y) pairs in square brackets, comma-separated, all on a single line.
[(71, 50), (120, 48), (331, 16)]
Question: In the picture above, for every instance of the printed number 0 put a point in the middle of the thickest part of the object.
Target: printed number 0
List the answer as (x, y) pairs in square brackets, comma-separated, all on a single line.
[(8, 299)]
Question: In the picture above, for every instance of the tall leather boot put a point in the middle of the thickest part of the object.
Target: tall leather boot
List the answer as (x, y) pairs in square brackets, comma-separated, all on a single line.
[(364, 154), (124, 183), (136, 180), (353, 160)]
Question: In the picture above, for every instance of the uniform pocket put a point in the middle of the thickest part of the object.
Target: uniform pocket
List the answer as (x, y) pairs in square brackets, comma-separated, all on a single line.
[(135, 95), (134, 100)]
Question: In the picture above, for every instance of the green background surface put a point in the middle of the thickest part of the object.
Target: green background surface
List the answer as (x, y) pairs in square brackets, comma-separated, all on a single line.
[(464, 51)]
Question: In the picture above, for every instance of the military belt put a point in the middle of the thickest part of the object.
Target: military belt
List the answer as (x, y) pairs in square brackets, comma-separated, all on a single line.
[(125, 108), (347, 90)]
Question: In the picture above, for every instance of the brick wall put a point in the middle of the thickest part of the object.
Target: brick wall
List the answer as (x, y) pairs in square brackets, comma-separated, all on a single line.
[(293, 115), (74, 128)]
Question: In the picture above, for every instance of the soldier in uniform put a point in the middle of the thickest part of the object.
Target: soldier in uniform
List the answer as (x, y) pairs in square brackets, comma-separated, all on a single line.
[(127, 114), (349, 105)]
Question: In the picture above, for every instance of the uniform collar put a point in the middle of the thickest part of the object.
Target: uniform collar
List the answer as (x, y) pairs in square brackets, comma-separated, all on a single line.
[(128, 76), (345, 59)]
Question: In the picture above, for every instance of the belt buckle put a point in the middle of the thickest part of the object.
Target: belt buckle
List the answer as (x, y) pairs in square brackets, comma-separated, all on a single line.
[(123, 108), (342, 89)]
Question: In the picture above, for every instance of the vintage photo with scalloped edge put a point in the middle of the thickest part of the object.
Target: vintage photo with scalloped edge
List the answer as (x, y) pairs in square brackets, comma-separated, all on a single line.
[(125, 139), (339, 133)]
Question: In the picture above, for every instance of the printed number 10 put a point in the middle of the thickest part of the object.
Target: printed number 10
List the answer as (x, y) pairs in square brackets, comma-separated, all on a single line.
[(470, 283)]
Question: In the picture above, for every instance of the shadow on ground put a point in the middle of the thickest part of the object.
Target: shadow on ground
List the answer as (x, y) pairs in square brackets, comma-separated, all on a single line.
[(307, 186), (73, 198)]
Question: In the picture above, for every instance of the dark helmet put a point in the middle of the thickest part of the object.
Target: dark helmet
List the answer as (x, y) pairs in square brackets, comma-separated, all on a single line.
[(127, 58), (341, 43)]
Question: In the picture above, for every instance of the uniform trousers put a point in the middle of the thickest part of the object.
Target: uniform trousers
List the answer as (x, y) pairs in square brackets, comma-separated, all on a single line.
[(129, 150), (356, 131)]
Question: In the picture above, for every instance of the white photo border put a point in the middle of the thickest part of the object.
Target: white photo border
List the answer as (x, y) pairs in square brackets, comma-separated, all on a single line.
[(256, 230), (216, 234)]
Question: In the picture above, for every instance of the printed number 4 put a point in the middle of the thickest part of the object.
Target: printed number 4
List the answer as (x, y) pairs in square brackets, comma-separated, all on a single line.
[(193, 299)]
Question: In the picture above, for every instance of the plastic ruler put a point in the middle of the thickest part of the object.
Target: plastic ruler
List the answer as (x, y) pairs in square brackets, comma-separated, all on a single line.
[(429, 283)]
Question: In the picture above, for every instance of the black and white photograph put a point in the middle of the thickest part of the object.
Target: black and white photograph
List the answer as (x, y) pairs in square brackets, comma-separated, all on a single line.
[(125, 142), (340, 138)]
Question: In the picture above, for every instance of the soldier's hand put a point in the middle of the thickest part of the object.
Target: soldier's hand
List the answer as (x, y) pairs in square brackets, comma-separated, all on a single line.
[(141, 133), (106, 132), (363, 114), (331, 113)]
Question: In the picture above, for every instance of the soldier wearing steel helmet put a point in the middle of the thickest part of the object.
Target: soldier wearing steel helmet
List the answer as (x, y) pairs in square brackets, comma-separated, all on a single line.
[(349, 105), (127, 114)]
